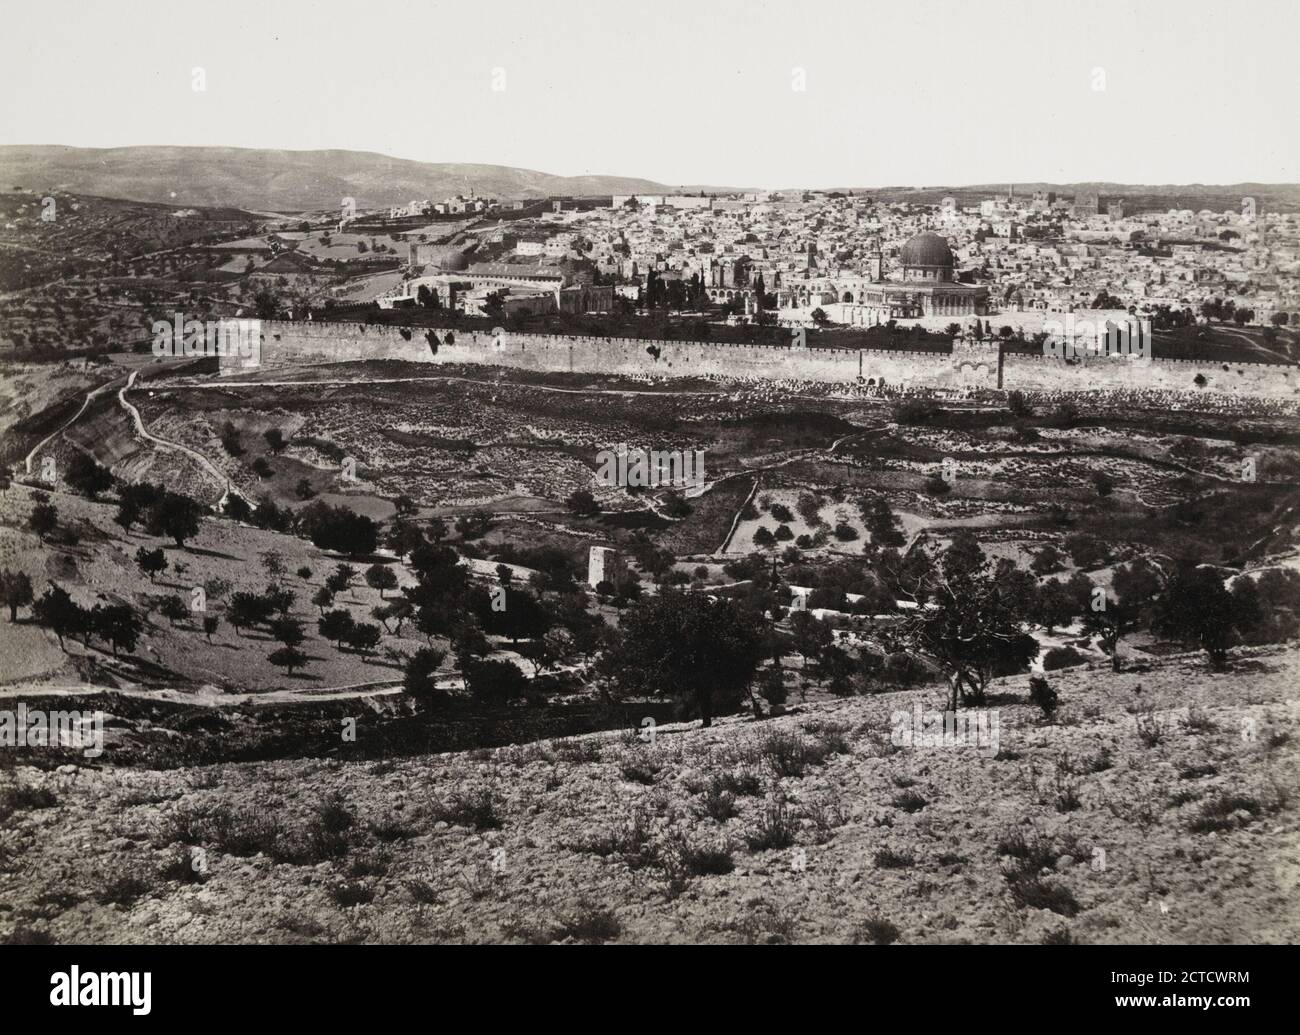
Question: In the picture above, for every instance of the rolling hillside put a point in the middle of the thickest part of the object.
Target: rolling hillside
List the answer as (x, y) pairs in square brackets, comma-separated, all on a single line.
[(281, 180), (1139, 814)]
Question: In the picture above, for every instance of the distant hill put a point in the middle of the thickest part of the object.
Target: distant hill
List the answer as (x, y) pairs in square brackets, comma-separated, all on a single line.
[(295, 181), (289, 181), (1270, 197)]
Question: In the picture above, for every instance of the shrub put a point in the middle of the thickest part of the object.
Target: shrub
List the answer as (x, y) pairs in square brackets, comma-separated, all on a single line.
[(1033, 893), (494, 682), (122, 890), (877, 931), (1087, 551), (1225, 812), (331, 819), (239, 832), (774, 828), (16, 799), (744, 782), (1042, 693), (1062, 657), (718, 804), (681, 858), (24, 935), (789, 754), (476, 809), (825, 817), (590, 925), (1047, 561), (420, 676), (1036, 853), (391, 828), (1198, 720), (350, 893), (888, 859), (909, 801), (1067, 791), (631, 842), (1151, 728), (636, 771), (829, 738)]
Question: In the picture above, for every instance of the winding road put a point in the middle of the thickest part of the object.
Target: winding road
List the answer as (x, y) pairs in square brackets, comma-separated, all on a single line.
[(163, 443), (212, 697), (85, 405), (124, 386)]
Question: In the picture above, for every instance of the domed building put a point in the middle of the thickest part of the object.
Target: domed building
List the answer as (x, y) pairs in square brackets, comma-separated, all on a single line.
[(926, 285), (927, 257)]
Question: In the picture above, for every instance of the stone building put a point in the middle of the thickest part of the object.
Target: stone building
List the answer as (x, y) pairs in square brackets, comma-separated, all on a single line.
[(927, 286), (1086, 203), (604, 565)]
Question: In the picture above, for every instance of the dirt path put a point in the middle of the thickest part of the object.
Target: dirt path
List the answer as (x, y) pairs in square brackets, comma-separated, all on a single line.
[(346, 382), (213, 697), (193, 454), (85, 405), (124, 386)]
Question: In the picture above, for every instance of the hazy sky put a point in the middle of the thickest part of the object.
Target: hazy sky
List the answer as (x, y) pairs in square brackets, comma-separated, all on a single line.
[(699, 91)]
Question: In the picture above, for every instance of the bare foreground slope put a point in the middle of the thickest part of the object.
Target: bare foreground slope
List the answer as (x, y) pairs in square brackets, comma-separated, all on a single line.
[(1157, 807)]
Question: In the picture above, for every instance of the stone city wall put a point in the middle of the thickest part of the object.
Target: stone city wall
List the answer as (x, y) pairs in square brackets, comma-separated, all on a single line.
[(313, 342), (1041, 373)]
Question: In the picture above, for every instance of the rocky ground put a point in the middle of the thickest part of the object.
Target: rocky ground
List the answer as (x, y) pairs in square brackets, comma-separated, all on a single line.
[(1157, 806)]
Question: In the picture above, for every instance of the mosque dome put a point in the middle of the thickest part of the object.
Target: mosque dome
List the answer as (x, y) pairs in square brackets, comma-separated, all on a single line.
[(927, 249)]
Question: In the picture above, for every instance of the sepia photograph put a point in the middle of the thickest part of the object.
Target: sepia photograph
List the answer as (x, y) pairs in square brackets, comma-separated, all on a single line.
[(722, 473)]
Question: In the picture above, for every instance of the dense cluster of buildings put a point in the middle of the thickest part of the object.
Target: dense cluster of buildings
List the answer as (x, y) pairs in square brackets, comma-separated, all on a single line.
[(865, 261), (461, 204)]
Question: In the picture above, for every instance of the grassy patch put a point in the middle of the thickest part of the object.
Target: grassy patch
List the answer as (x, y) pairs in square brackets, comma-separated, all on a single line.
[(774, 828), (478, 810)]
